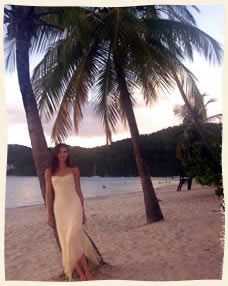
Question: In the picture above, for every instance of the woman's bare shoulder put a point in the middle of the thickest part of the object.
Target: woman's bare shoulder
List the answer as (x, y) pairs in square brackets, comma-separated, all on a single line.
[(75, 170), (47, 172)]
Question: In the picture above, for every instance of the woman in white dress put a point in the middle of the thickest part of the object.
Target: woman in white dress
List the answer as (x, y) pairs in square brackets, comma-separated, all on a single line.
[(65, 208)]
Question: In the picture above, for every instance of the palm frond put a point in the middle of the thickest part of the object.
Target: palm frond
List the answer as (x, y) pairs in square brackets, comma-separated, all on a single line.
[(48, 81), (44, 38), (196, 101), (63, 122), (179, 12), (187, 37), (106, 99), (214, 117), (212, 100), (149, 68), (55, 79), (9, 39), (82, 81), (10, 53), (179, 111), (74, 98), (52, 75), (62, 23)]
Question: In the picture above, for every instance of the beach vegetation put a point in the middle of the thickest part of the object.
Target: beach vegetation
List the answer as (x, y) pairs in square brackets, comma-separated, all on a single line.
[(191, 150)]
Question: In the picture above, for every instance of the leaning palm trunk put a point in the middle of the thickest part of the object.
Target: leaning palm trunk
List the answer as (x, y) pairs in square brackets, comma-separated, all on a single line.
[(40, 151), (39, 146), (153, 211), (195, 120)]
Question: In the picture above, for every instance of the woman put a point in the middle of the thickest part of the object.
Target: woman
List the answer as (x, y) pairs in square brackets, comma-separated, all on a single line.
[(69, 214)]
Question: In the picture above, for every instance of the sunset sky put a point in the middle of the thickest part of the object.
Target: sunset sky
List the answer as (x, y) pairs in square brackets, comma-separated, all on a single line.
[(149, 120)]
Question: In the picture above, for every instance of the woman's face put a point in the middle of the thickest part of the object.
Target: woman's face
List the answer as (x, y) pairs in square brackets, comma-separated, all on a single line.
[(63, 154)]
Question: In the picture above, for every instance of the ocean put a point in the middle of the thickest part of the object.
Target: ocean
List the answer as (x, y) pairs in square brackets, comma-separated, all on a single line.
[(25, 191)]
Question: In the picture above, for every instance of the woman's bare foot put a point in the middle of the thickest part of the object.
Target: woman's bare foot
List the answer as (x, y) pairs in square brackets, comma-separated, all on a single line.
[(83, 278), (89, 276)]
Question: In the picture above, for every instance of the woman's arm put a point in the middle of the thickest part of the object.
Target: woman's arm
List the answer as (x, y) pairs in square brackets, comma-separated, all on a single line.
[(76, 172), (49, 198)]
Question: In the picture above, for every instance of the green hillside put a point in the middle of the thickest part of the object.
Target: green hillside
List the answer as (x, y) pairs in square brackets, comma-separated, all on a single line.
[(116, 160)]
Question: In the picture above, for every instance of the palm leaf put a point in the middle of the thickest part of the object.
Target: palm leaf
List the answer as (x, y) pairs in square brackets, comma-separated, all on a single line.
[(74, 98), (187, 37), (179, 12), (73, 89), (63, 121), (106, 98), (213, 117), (10, 53)]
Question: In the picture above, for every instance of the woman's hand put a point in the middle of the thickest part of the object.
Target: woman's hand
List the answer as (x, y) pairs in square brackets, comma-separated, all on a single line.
[(51, 221), (83, 218)]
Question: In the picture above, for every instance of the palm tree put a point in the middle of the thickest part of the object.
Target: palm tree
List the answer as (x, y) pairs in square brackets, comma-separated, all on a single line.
[(27, 31), (194, 116), (196, 100), (31, 29), (128, 48), (199, 109), (181, 37)]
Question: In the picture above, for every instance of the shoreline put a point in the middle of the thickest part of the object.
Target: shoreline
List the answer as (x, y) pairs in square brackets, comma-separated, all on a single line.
[(168, 250), (90, 198), (161, 186)]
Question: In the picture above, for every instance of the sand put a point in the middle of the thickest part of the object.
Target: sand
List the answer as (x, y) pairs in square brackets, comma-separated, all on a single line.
[(187, 245)]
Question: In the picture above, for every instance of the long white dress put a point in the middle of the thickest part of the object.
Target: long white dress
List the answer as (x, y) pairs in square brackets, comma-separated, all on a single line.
[(68, 215)]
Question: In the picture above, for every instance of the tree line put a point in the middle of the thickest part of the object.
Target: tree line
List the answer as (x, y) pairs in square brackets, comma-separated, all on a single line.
[(118, 158)]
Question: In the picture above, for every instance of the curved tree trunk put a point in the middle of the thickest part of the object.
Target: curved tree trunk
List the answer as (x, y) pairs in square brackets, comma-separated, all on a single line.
[(153, 211), (195, 120), (40, 150)]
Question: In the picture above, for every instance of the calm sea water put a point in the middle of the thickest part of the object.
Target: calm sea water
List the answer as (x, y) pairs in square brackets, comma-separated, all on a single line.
[(25, 191)]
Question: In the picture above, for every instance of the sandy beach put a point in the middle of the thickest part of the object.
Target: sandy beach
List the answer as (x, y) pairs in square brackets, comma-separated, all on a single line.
[(187, 245)]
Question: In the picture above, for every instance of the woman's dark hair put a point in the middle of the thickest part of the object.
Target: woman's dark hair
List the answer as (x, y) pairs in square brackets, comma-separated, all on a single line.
[(55, 160)]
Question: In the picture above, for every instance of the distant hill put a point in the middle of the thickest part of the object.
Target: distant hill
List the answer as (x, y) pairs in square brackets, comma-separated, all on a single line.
[(20, 161), (116, 160)]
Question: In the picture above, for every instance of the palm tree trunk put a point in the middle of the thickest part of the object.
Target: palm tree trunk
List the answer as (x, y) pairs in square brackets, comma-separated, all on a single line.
[(39, 146), (195, 120), (153, 211), (40, 151)]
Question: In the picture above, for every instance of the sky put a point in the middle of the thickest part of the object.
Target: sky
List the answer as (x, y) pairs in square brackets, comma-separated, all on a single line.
[(149, 119)]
